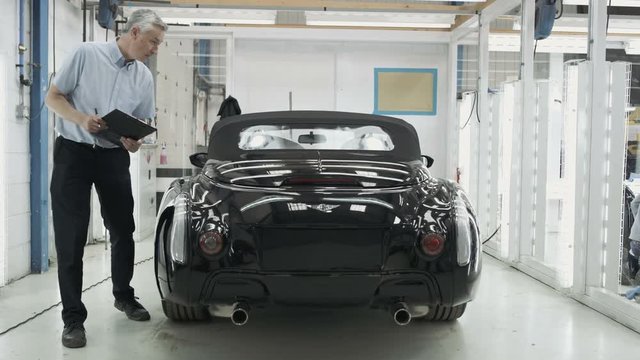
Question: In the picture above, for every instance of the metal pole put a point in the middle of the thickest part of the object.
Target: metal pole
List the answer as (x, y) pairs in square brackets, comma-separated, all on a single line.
[(597, 114), (452, 128), (484, 130), (527, 185), (38, 140)]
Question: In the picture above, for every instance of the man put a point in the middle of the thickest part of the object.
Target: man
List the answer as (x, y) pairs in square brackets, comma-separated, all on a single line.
[(634, 241), (98, 78)]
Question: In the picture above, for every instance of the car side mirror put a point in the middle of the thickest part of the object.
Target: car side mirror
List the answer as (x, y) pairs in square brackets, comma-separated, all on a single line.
[(427, 160), (199, 159)]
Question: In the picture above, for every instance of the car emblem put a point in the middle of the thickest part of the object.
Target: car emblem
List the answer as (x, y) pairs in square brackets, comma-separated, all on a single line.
[(323, 207)]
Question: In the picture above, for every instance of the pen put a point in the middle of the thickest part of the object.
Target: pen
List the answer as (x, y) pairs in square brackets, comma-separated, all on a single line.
[(96, 110)]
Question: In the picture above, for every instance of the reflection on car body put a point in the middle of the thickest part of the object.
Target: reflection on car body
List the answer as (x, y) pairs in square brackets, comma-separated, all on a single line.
[(317, 209)]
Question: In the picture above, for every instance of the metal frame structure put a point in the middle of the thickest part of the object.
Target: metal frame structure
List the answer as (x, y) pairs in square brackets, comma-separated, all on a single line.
[(597, 165)]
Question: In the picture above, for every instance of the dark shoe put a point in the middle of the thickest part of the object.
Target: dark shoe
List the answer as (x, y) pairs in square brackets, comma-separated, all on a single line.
[(133, 309), (73, 336)]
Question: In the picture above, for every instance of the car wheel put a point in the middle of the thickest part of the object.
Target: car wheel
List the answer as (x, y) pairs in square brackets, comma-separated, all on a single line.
[(445, 313), (184, 313)]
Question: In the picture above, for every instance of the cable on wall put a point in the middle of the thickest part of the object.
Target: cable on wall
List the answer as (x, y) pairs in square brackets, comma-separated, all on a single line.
[(474, 106), (492, 235), (60, 302), (561, 12)]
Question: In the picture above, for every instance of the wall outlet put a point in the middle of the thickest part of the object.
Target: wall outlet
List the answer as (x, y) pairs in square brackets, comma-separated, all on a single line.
[(22, 112)]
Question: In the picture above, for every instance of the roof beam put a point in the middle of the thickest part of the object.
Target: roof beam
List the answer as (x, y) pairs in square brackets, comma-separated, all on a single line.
[(489, 11), (334, 5)]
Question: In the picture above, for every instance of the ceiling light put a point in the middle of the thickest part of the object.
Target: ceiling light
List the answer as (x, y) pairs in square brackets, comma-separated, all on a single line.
[(553, 44), (633, 3), (207, 20), (632, 47), (190, 16), (379, 19), (377, 24), (618, 24)]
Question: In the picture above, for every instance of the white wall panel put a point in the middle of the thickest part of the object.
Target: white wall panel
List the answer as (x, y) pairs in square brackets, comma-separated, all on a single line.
[(14, 135), (266, 71), (174, 101), (16, 234), (17, 199), (355, 91), (17, 266), (20, 171), (336, 76)]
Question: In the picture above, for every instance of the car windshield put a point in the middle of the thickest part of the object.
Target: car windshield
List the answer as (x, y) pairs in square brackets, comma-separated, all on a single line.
[(301, 137)]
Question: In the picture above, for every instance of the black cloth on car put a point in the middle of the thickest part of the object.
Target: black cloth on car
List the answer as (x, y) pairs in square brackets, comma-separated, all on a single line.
[(229, 107)]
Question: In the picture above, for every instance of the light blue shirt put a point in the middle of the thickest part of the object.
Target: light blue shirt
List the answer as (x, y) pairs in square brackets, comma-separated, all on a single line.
[(96, 77)]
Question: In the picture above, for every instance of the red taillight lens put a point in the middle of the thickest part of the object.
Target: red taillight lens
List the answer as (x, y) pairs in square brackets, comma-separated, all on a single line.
[(432, 244), (211, 242)]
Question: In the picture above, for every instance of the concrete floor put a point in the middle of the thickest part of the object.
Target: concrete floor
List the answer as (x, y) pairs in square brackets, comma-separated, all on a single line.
[(513, 317)]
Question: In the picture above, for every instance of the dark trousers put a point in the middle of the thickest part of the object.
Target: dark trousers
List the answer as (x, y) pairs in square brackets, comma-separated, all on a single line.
[(76, 167)]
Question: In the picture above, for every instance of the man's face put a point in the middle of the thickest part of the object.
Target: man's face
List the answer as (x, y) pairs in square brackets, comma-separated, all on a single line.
[(146, 43)]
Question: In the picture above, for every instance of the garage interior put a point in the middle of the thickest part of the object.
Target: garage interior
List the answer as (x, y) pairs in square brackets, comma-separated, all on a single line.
[(542, 134)]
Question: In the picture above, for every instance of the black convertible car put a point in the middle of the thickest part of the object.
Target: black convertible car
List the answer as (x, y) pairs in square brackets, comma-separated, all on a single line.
[(315, 208)]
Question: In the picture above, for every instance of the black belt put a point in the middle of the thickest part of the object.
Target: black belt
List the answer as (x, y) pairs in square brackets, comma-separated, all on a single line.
[(88, 146)]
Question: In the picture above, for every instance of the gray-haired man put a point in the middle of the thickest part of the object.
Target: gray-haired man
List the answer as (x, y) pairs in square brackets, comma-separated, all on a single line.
[(98, 78)]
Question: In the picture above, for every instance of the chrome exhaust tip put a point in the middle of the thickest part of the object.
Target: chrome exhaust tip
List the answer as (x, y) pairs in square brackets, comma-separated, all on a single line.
[(400, 314), (240, 314)]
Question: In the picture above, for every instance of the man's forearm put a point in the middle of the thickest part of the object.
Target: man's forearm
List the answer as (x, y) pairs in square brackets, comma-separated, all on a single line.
[(59, 104)]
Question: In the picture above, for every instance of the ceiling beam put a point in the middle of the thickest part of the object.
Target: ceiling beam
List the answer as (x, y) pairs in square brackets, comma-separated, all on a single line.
[(489, 11), (334, 5), (333, 27), (461, 20)]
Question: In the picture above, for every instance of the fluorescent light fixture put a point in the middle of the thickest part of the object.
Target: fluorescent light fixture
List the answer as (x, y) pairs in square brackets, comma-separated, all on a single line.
[(633, 3), (178, 15), (617, 24), (632, 47), (377, 24), (554, 44), (379, 19), (207, 66), (200, 55), (211, 20)]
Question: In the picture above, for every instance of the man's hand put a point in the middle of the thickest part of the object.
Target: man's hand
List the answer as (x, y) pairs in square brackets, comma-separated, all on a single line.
[(130, 144), (94, 124)]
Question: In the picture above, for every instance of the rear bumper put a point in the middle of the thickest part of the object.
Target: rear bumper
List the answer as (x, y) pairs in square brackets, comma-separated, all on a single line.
[(344, 289)]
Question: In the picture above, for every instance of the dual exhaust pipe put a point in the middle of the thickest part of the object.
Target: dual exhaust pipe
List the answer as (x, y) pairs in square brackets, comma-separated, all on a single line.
[(399, 312), (240, 314)]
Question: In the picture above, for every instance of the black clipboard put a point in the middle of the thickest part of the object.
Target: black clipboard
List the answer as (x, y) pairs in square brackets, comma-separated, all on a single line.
[(124, 125)]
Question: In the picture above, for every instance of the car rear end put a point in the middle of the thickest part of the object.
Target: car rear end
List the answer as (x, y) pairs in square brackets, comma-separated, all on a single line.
[(337, 237), (302, 208)]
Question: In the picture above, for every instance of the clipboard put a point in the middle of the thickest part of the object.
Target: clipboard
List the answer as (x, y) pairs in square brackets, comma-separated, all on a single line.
[(122, 124)]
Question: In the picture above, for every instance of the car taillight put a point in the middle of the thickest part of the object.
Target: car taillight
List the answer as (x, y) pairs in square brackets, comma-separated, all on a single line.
[(432, 244), (211, 242)]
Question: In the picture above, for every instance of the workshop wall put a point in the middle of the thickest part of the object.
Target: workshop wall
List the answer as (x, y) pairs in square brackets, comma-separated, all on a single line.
[(327, 75)]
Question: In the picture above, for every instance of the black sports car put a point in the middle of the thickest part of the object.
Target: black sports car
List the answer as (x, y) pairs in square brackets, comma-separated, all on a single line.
[(315, 208)]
